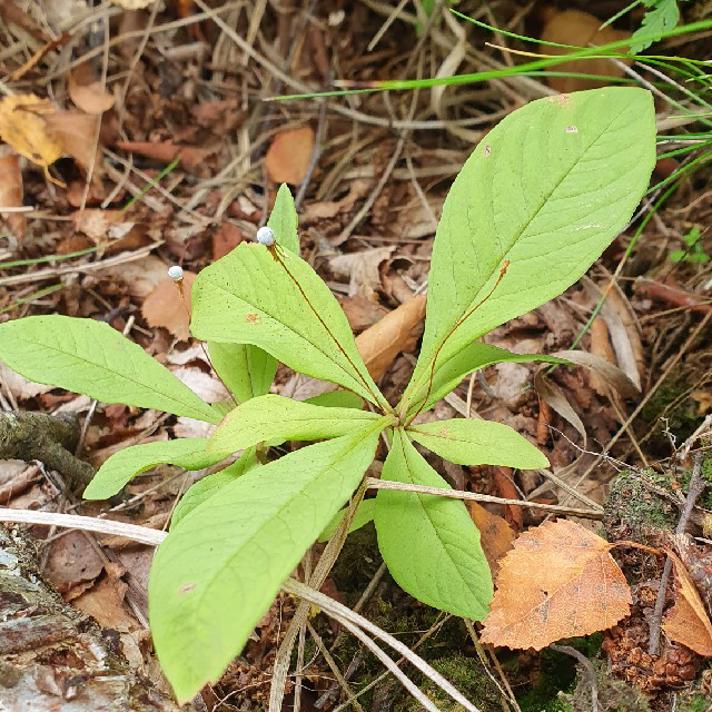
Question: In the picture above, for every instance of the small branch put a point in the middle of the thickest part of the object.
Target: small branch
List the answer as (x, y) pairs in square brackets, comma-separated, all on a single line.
[(587, 668), (373, 483), (144, 535), (697, 486)]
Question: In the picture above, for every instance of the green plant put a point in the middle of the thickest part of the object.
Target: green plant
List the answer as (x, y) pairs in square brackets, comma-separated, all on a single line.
[(694, 251), (535, 204)]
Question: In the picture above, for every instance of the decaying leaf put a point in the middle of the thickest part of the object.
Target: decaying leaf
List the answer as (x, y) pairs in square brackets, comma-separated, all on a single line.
[(166, 151), (165, 307), (289, 155), (688, 622), (396, 332), (74, 132), (496, 536), (361, 269), (23, 126), (559, 581), (11, 193), (87, 92), (582, 29)]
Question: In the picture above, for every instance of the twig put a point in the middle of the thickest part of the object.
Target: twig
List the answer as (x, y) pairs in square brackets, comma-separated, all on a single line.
[(144, 535), (373, 483), (345, 614), (696, 487), (587, 667)]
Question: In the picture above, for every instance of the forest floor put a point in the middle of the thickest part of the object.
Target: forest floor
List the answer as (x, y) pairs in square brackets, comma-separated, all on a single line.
[(158, 142)]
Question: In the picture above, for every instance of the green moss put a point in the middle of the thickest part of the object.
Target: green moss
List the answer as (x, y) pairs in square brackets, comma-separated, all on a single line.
[(634, 508), (671, 403), (468, 677), (695, 703)]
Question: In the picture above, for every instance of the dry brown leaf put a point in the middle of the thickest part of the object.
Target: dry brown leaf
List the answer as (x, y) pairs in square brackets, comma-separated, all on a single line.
[(190, 156), (581, 29), (165, 307), (11, 193), (289, 155), (74, 131), (72, 560), (96, 223), (559, 581), (687, 622), (23, 126), (361, 269), (87, 92), (398, 331), (19, 386), (496, 536)]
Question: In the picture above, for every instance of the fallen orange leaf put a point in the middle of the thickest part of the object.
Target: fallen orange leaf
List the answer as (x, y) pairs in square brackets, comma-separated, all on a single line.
[(289, 155), (165, 307), (398, 331), (687, 621), (496, 536), (559, 581)]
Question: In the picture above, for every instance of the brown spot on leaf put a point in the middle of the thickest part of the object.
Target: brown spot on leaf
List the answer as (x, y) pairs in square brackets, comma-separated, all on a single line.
[(252, 318), (186, 588)]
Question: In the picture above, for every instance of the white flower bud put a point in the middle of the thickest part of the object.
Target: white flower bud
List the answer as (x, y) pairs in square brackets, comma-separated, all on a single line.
[(175, 272), (265, 236)]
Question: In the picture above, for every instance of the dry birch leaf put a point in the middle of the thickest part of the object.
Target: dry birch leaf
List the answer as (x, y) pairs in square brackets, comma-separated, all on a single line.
[(688, 622), (559, 581)]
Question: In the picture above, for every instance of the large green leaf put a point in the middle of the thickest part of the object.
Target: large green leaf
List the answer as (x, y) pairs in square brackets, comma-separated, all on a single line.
[(364, 514), (210, 485), (275, 419), (429, 543), (284, 221), (124, 465), (466, 441), (87, 356), (278, 302), (246, 370), (472, 358), (545, 191), (216, 573)]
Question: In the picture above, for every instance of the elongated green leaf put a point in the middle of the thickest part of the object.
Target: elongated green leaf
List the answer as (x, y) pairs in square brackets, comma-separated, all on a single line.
[(216, 573), (210, 485), (364, 514), (246, 370), (281, 305), (337, 399), (466, 441), (273, 418), (284, 221), (472, 358), (429, 543), (124, 465), (87, 356), (544, 192)]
